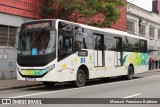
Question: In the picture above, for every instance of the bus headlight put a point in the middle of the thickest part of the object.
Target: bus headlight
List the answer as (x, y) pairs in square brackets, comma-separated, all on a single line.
[(44, 71), (35, 72)]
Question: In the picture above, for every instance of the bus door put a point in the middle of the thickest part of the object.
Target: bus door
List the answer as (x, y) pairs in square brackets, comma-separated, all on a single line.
[(118, 51), (99, 50)]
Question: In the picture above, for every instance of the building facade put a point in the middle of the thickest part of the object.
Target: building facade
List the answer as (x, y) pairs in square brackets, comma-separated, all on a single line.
[(12, 14), (146, 24)]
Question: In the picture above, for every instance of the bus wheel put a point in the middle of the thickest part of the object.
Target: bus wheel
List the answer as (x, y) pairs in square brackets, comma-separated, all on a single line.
[(49, 84), (81, 78), (130, 73)]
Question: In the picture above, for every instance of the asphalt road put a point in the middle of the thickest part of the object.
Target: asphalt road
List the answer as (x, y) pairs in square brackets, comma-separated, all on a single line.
[(145, 85)]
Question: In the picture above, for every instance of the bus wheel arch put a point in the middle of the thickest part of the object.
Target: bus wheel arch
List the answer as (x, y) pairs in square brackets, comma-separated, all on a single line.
[(82, 76), (85, 68)]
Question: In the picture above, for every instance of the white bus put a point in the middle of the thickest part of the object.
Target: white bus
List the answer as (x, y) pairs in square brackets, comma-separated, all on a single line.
[(54, 51)]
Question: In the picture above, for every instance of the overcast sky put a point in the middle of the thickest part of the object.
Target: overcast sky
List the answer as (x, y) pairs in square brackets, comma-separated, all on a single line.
[(145, 4)]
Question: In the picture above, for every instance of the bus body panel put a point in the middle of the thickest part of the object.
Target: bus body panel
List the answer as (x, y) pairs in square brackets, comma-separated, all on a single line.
[(100, 63), (138, 60), (70, 65)]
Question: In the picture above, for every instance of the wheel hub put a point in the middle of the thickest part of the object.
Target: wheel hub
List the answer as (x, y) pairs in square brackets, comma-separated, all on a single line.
[(80, 78)]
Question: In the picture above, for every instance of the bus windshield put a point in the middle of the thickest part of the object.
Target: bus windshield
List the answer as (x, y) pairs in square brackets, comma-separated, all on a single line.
[(36, 42)]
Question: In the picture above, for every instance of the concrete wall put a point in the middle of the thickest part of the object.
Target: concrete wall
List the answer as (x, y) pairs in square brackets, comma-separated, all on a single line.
[(12, 20), (7, 63), (8, 54)]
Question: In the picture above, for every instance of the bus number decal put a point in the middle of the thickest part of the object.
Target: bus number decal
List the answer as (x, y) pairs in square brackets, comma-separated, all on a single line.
[(83, 60)]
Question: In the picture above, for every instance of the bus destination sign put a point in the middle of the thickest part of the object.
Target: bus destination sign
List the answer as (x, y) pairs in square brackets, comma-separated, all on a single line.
[(36, 25)]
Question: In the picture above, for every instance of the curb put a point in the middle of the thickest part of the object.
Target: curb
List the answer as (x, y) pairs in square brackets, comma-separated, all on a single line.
[(19, 87), (151, 71)]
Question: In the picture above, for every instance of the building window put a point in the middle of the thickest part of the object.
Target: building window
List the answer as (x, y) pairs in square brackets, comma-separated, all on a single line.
[(142, 29), (151, 31), (131, 26), (158, 33), (8, 36)]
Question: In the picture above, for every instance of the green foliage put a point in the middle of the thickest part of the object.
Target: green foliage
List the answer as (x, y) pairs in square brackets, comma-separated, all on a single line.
[(48, 10), (47, 7), (73, 10)]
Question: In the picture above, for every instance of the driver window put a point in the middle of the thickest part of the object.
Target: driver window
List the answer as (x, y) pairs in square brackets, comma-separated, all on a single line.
[(65, 40)]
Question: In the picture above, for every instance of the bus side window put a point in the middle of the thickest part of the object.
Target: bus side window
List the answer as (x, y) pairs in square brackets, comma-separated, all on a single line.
[(65, 40), (83, 38), (143, 46), (108, 42), (136, 45), (88, 39), (78, 38)]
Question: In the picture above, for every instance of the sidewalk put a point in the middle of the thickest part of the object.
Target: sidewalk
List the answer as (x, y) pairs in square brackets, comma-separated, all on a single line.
[(15, 84), (153, 70)]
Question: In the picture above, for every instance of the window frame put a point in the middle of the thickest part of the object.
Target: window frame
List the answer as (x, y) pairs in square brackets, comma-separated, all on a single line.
[(131, 24), (8, 35), (151, 33), (142, 29)]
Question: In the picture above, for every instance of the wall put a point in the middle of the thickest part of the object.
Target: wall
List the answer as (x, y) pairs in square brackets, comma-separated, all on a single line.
[(121, 24), (8, 54), (7, 63), (25, 8)]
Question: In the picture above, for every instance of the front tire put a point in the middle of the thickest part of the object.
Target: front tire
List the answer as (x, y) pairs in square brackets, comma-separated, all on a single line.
[(81, 78)]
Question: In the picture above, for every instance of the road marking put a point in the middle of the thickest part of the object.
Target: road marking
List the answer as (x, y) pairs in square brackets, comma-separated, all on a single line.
[(28, 95), (132, 95)]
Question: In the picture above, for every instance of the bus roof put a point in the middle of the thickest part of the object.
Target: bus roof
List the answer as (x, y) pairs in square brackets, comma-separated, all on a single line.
[(105, 30)]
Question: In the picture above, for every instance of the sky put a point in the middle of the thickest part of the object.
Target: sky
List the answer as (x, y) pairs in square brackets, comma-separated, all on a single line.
[(145, 4)]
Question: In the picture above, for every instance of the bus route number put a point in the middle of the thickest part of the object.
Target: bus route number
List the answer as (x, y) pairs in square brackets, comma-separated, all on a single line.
[(83, 60)]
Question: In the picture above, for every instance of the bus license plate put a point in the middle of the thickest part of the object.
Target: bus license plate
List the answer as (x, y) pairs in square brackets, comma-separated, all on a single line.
[(30, 79)]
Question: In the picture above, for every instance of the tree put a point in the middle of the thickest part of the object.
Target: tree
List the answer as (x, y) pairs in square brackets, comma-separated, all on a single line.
[(84, 10)]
